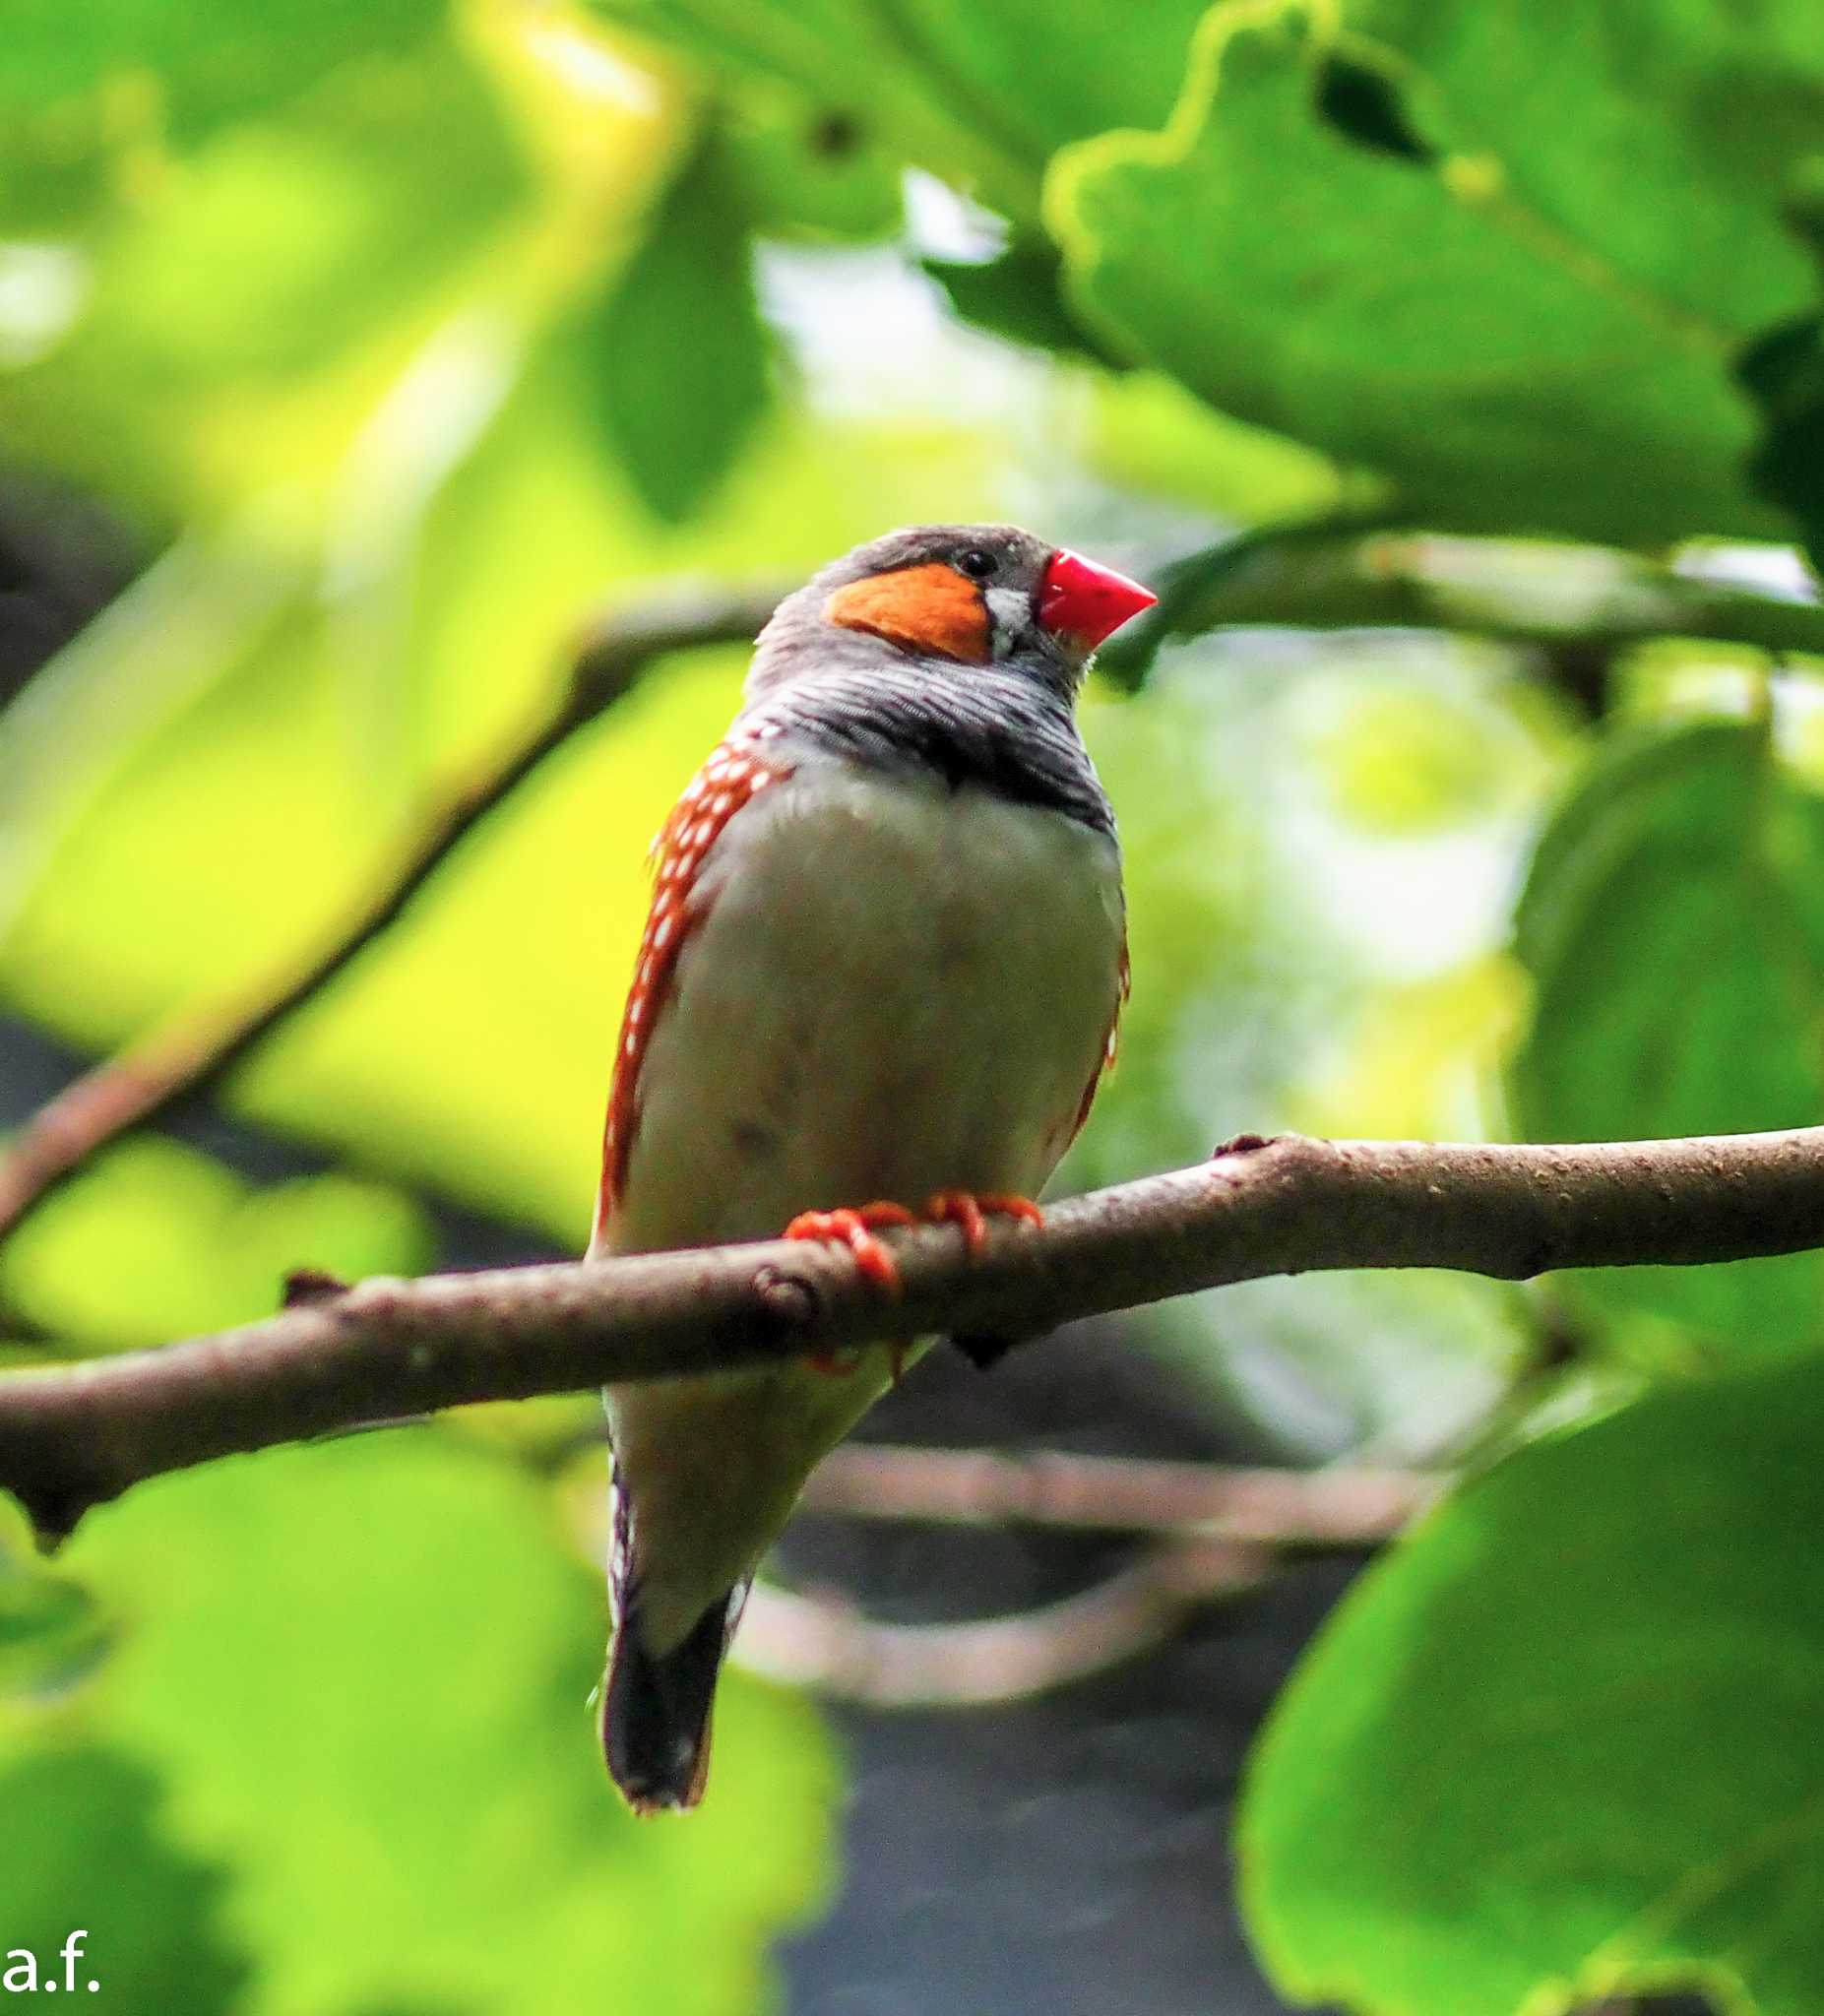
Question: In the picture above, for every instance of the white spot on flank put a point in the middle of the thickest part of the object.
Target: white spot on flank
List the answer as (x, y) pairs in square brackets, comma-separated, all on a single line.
[(661, 936)]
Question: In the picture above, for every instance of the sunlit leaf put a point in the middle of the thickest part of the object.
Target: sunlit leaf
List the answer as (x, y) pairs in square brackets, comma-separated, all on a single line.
[(978, 94), (366, 1667), (1489, 312), (210, 607), (1145, 434), (212, 62), (802, 170), (283, 251), (190, 1248)]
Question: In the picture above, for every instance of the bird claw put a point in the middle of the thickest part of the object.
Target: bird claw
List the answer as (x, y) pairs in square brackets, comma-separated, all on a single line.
[(971, 1211), (853, 1227)]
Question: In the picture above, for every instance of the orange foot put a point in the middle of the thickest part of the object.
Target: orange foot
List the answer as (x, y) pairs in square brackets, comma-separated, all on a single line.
[(972, 1212), (854, 1229)]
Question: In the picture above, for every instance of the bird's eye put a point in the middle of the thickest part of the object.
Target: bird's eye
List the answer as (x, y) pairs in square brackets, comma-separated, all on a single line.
[(977, 564)]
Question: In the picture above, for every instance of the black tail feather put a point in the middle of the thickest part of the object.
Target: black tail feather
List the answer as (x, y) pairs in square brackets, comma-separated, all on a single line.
[(655, 1709)]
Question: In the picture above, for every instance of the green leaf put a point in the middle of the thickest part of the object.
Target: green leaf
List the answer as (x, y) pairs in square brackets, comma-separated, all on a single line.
[(84, 1846), (1526, 323), (208, 63), (1785, 373), (1672, 924), (1018, 297), (680, 349), (1038, 74), (1562, 1745), (101, 108), (210, 311), (49, 1627), (357, 202), (366, 1668), (980, 95), (191, 1248), (802, 171)]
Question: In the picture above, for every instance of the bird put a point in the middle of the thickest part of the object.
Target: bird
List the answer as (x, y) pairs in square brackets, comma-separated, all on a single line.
[(880, 979)]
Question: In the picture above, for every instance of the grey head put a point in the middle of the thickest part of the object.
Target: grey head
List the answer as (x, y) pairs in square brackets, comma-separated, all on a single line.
[(949, 649), (949, 596)]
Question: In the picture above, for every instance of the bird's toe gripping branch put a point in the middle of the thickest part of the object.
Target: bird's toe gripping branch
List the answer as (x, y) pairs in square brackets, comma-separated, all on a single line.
[(971, 1211), (854, 1226)]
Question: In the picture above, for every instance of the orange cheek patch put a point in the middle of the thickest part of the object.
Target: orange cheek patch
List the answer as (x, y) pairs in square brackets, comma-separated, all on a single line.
[(931, 607)]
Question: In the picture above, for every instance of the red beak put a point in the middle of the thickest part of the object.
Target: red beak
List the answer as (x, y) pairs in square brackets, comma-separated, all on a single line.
[(1085, 603)]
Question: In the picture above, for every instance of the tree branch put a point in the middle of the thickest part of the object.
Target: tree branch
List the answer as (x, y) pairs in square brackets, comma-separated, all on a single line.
[(196, 1048), (1347, 1506), (1214, 1531), (1351, 574), (1209, 1532), (828, 1644), (73, 1437)]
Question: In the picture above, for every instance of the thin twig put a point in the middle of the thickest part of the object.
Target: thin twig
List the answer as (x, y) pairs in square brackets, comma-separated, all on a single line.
[(197, 1047), (1342, 574), (1216, 1532), (1055, 1488), (71, 1436), (824, 1643)]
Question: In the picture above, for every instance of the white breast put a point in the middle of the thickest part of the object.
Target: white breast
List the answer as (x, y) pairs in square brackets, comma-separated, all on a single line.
[(897, 988)]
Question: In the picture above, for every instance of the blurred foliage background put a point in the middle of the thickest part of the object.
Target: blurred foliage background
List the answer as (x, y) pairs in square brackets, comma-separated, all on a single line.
[(351, 356)]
